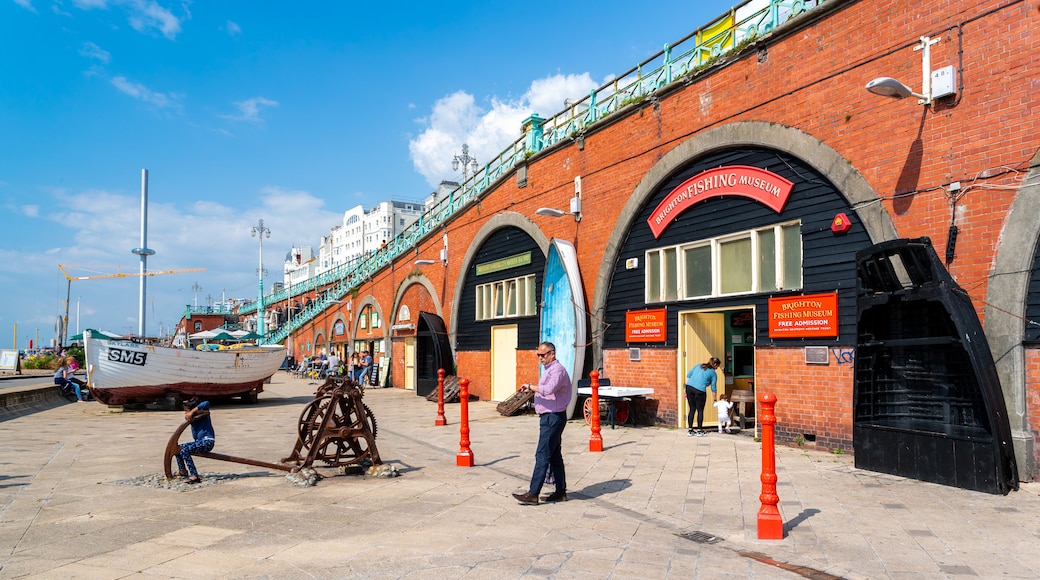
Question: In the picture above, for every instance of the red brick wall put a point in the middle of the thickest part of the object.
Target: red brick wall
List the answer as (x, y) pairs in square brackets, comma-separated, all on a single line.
[(811, 81), (810, 399)]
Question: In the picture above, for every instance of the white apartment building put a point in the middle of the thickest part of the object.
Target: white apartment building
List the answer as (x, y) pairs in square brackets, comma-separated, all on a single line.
[(360, 233), (299, 266), (365, 231)]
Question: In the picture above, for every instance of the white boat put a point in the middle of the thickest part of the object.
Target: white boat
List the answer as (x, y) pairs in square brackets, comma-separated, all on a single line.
[(122, 371)]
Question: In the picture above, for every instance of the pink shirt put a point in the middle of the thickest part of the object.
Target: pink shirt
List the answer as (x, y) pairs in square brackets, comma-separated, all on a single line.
[(554, 390)]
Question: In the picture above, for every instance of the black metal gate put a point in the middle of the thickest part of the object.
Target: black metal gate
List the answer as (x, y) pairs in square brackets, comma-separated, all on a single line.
[(927, 399)]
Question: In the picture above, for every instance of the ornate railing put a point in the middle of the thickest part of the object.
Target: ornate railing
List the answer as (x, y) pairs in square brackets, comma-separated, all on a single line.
[(688, 56)]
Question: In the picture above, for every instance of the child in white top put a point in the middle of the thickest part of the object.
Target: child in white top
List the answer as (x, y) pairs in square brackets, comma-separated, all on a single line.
[(724, 405)]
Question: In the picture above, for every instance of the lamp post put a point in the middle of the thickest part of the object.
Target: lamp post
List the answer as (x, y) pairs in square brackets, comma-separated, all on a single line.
[(196, 288), (259, 231), (466, 161)]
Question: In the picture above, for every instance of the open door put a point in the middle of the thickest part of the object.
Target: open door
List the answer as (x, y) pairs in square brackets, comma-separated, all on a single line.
[(432, 352), (702, 335)]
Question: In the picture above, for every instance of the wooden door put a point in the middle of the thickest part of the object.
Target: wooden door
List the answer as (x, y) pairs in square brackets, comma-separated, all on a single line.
[(503, 361), (409, 363), (701, 336)]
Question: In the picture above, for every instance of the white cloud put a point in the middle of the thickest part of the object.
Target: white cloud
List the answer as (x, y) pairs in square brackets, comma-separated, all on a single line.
[(233, 29), (205, 234), (142, 15), (91, 50), (457, 119), (143, 93), (30, 210), (249, 109), (27, 4)]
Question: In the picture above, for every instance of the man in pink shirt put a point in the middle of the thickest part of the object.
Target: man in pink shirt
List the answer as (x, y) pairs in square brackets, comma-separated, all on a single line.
[(552, 394)]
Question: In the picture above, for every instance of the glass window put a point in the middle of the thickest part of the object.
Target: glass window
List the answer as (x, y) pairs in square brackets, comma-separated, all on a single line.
[(767, 260), (762, 260), (792, 256), (671, 276), (697, 269), (510, 287), (653, 276)]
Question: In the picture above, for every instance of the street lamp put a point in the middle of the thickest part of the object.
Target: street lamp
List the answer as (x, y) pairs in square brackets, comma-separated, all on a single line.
[(259, 231), (466, 161)]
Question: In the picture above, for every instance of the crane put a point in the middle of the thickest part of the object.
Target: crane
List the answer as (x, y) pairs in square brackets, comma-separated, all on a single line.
[(69, 279)]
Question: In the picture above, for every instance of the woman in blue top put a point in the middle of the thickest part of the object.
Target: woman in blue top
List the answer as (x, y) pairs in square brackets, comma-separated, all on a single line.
[(197, 413), (698, 380)]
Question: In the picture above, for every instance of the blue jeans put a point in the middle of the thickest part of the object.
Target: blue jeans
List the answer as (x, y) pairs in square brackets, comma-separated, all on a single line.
[(549, 452)]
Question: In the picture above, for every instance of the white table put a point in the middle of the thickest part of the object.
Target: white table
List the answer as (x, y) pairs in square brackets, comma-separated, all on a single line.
[(617, 399)]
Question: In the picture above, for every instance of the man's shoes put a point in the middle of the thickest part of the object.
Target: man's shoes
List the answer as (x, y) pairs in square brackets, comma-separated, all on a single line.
[(690, 433), (193, 480), (555, 496), (701, 434), (526, 498)]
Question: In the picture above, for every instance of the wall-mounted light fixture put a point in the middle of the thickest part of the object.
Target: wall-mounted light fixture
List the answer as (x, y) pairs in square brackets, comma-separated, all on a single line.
[(443, 260), (934, 84), (575, 204)]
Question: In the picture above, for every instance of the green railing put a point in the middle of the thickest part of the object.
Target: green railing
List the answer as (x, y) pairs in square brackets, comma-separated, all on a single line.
[(691, 54)]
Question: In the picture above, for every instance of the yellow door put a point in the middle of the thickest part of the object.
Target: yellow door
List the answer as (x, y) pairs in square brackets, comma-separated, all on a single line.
[(701, 336), (409, 363), (503, 361)]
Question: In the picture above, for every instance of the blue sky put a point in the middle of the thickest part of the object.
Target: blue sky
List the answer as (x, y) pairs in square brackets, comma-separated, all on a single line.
[(287, 112)]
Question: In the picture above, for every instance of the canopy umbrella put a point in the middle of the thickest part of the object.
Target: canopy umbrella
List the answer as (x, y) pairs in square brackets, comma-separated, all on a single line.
[(222, 335), (204, 335), (250, 336)]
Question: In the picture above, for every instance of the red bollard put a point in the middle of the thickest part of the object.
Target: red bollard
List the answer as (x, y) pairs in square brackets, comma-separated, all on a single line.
[(464, 458), (770, 524), (441, 419), (595, 440)]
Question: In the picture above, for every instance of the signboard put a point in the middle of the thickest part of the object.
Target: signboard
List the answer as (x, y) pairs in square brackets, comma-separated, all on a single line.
[(646, 325), (8, 360), (504, 264), (753, 183), (809, 316)]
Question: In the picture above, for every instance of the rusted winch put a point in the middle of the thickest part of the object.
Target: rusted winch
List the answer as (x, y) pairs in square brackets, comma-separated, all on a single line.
[(335, 428)]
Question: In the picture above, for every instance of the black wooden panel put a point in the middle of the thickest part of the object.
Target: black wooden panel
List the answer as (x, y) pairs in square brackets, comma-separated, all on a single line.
[(1032, 321), (828, 259), (472, 335)]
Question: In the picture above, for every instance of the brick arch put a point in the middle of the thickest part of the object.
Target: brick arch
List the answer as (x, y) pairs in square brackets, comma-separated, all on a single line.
[(413, 280), (1005, 313), (368, 300), (815, 153), (499, 221)]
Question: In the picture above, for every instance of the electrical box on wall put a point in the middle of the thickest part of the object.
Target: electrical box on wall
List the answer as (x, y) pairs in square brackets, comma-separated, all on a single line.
[(944, 82)]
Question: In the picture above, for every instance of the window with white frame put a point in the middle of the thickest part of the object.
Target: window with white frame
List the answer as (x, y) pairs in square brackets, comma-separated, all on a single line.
[(761, 260), (511, 298)]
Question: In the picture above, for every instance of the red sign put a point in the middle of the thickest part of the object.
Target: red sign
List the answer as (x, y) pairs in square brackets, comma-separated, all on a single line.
[(646, 325), (812, 315), (760, 185)]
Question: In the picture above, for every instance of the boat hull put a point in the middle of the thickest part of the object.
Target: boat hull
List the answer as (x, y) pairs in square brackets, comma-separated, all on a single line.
[(122, 372), (563, 319)]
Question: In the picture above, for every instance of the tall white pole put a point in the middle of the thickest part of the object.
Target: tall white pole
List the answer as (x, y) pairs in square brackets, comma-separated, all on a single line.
[(143, 251)]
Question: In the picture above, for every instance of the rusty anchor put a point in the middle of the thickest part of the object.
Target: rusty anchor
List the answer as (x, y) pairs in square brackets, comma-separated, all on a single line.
[(335, 428)]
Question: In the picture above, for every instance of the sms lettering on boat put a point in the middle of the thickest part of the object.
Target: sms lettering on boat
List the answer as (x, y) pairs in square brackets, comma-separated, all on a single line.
[(127, 356)]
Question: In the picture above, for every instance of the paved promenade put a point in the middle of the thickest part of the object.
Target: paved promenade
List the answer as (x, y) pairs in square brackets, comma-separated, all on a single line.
[(74, 504)]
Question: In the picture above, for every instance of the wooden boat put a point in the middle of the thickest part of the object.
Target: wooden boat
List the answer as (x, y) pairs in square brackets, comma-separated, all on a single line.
[(563, 319), (122, 371)]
